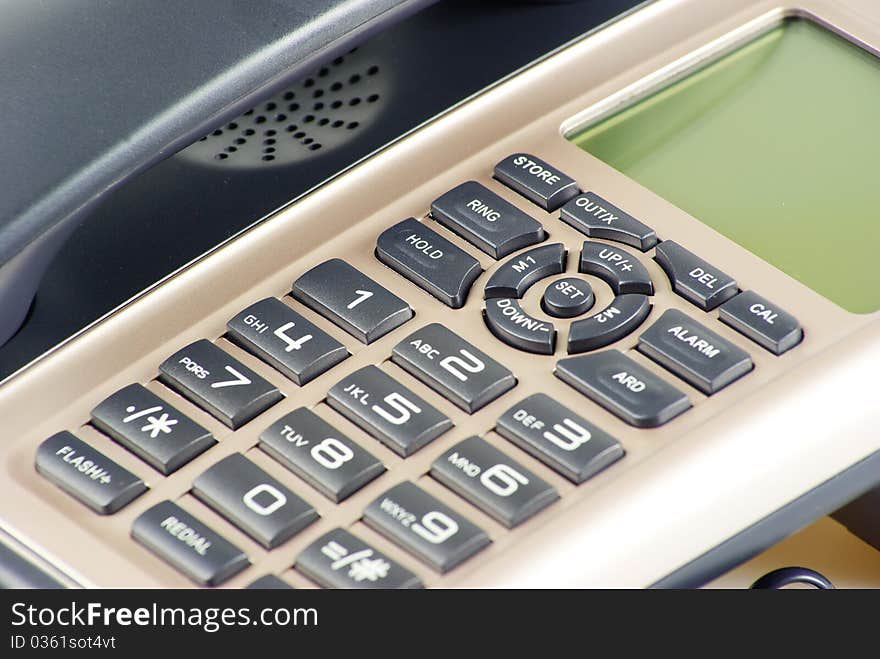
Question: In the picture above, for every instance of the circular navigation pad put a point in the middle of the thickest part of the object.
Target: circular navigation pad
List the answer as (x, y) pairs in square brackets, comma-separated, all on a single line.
[(568, 297)]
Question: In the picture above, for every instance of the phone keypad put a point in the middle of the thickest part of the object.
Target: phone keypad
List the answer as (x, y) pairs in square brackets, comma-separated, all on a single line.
[(478, 477)]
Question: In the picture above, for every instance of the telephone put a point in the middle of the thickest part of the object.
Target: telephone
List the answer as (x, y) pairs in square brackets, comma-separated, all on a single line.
[(591, 326)]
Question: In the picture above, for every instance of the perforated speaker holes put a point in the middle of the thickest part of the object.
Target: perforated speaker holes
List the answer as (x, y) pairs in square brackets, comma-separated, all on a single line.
[(314, 115)]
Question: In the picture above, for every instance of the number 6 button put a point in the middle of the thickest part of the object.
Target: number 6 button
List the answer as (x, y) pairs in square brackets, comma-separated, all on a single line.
[(421, 524), (502, 488), (254, 501)]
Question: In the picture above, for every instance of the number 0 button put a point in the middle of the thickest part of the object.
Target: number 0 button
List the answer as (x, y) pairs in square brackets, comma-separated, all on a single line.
[(254, 501), (349, 298), (493, 482), (387, 410)]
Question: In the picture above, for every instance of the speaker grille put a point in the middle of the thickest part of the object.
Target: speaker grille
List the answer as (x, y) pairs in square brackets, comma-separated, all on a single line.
[(320, 112)]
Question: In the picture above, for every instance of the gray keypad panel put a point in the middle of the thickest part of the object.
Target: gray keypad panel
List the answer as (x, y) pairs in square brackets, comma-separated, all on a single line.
[(285, 340), (561, 439), (386, 409), (319, 454), (339, 559), (453, 367), (597, 218), (623, 387), (486, 220), (537, 181), (255, 502), (424, 526), (151, 428), (429, 260), (693, 278), (188, 544), (218, 383), (492, 481), (346, 296), (87, 474), (693, 352), (762, 321)]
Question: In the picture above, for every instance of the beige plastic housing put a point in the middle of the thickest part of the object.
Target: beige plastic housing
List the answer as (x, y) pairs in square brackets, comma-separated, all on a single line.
[(681, 489)]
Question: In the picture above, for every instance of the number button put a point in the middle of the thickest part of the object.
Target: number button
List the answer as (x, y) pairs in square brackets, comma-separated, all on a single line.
[(254, 501), (493, 482), (319, 454), (424, 526), (453, 367), (387, 410), (352, 300), (285, 340), (561, 439), (218, 383)]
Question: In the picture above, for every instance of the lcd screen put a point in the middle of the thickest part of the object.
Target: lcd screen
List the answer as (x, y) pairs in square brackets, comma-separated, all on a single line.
[(776, 146)]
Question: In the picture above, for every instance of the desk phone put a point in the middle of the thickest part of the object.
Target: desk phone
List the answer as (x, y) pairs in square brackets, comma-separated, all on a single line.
[(613, 322)]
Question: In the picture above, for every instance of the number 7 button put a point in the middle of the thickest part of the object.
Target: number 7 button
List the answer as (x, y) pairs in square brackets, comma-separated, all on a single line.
[(352, 300)]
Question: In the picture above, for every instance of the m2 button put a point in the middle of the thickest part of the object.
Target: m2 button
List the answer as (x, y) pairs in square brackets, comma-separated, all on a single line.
[(87, 474), (507, 320), (564, 441), (218, 383), (694, 353), (286, 340), (619, 318), (762, 321), (695, 280), (498, 485), (187, 544), (597, 218), (424, 526), (535, 180), (486, 220), (623, 387), (429, 261), (453, 367)]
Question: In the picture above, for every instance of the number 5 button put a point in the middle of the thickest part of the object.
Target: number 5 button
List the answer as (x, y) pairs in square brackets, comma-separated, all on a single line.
[(502, 488), (218, 383), (421, 524)]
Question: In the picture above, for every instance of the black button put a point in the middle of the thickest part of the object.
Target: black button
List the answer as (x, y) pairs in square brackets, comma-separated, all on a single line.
[(86, 474), (535, 180), (483, 218), (597, 218), (151, 428), (513, 277), (254, 501), (187, 544), (695, 280), (507, 320), (218, 383), (453, 367), (568, 297), (424, 526), (493, 482), (618, 268), (285, 340), (561, 439), (693, 352), (623, 387), (339, 559), (762, 321), (269, 582), (622, 315), (429, 260), (320, 454), (349, 298), (387, 410)]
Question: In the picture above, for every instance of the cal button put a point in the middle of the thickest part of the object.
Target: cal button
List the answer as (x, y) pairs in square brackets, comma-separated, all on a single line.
[(535, 180), (762, 321)]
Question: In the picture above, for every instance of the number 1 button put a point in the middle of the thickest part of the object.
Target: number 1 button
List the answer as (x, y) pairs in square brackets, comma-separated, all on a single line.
[(218, 383), (352, 300)]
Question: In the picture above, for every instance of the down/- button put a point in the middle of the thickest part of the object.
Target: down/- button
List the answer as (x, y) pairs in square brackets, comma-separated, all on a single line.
[(507, 320)]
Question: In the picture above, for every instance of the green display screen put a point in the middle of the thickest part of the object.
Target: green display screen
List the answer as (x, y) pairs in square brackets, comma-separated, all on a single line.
[(776, 146)]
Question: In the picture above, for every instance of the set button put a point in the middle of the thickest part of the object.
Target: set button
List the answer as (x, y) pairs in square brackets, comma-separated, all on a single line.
[(568, 297)]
